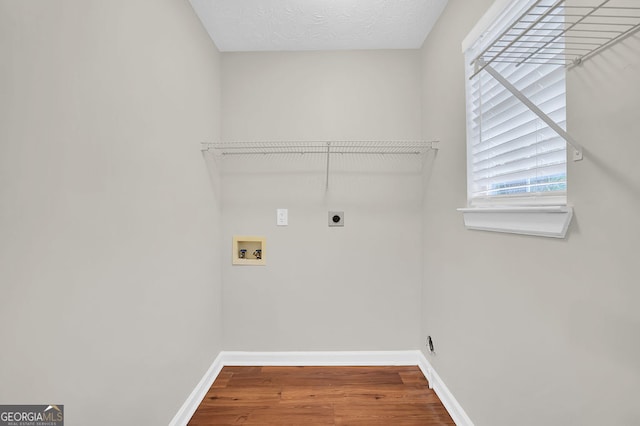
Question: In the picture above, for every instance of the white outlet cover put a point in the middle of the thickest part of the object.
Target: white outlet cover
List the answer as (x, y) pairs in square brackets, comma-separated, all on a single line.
[(282, 217)]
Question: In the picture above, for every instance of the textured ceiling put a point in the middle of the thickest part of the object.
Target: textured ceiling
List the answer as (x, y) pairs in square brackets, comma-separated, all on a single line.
[(267, 25)]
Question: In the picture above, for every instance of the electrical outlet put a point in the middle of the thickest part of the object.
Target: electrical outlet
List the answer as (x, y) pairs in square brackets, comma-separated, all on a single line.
[(336, 218), (430, 345)]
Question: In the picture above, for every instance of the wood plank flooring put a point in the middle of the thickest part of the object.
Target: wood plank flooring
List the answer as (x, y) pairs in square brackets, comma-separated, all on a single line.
[(321, 396)]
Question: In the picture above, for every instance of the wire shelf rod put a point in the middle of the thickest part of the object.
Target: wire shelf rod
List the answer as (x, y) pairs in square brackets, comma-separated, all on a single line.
[(565, 62), (565, 42), (324, 153), (555, 52), (592, 20)]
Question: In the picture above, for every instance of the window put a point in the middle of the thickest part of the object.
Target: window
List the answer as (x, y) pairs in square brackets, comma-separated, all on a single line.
[(516, 162), (513, 156)]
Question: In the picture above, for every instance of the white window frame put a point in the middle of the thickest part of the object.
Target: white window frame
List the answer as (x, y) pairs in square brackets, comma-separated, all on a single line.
[(542, 214)]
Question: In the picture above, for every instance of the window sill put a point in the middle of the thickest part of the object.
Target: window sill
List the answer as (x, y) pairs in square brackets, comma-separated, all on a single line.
[(544, 221)]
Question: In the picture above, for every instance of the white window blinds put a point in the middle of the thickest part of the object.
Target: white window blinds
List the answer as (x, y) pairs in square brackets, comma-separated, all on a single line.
[(513, 156)]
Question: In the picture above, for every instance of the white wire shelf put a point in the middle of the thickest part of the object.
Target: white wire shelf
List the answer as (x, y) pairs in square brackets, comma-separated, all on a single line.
[(326, 150), (320, 147), (583, 28)]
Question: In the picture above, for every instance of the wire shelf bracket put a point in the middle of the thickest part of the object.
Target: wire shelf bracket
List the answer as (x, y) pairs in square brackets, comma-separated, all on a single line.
[(577, 148)]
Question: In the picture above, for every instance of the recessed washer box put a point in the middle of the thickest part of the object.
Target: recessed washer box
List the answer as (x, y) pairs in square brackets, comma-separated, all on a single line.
[(248, 250), (336, 218)]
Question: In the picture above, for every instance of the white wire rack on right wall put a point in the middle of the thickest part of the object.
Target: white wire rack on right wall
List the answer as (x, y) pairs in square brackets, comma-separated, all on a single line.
[(589, 26)]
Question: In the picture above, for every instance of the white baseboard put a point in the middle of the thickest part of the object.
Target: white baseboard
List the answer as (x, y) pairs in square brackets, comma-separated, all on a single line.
[(450, 403), (190, 406), (322, 358)]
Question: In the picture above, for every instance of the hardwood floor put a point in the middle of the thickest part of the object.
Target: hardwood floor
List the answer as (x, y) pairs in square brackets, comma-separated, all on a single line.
[(321, 396)]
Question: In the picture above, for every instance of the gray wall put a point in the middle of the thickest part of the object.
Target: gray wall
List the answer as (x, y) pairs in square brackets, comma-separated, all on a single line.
[(351, 288), (529, 330), (111, 241), (109, 276)]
